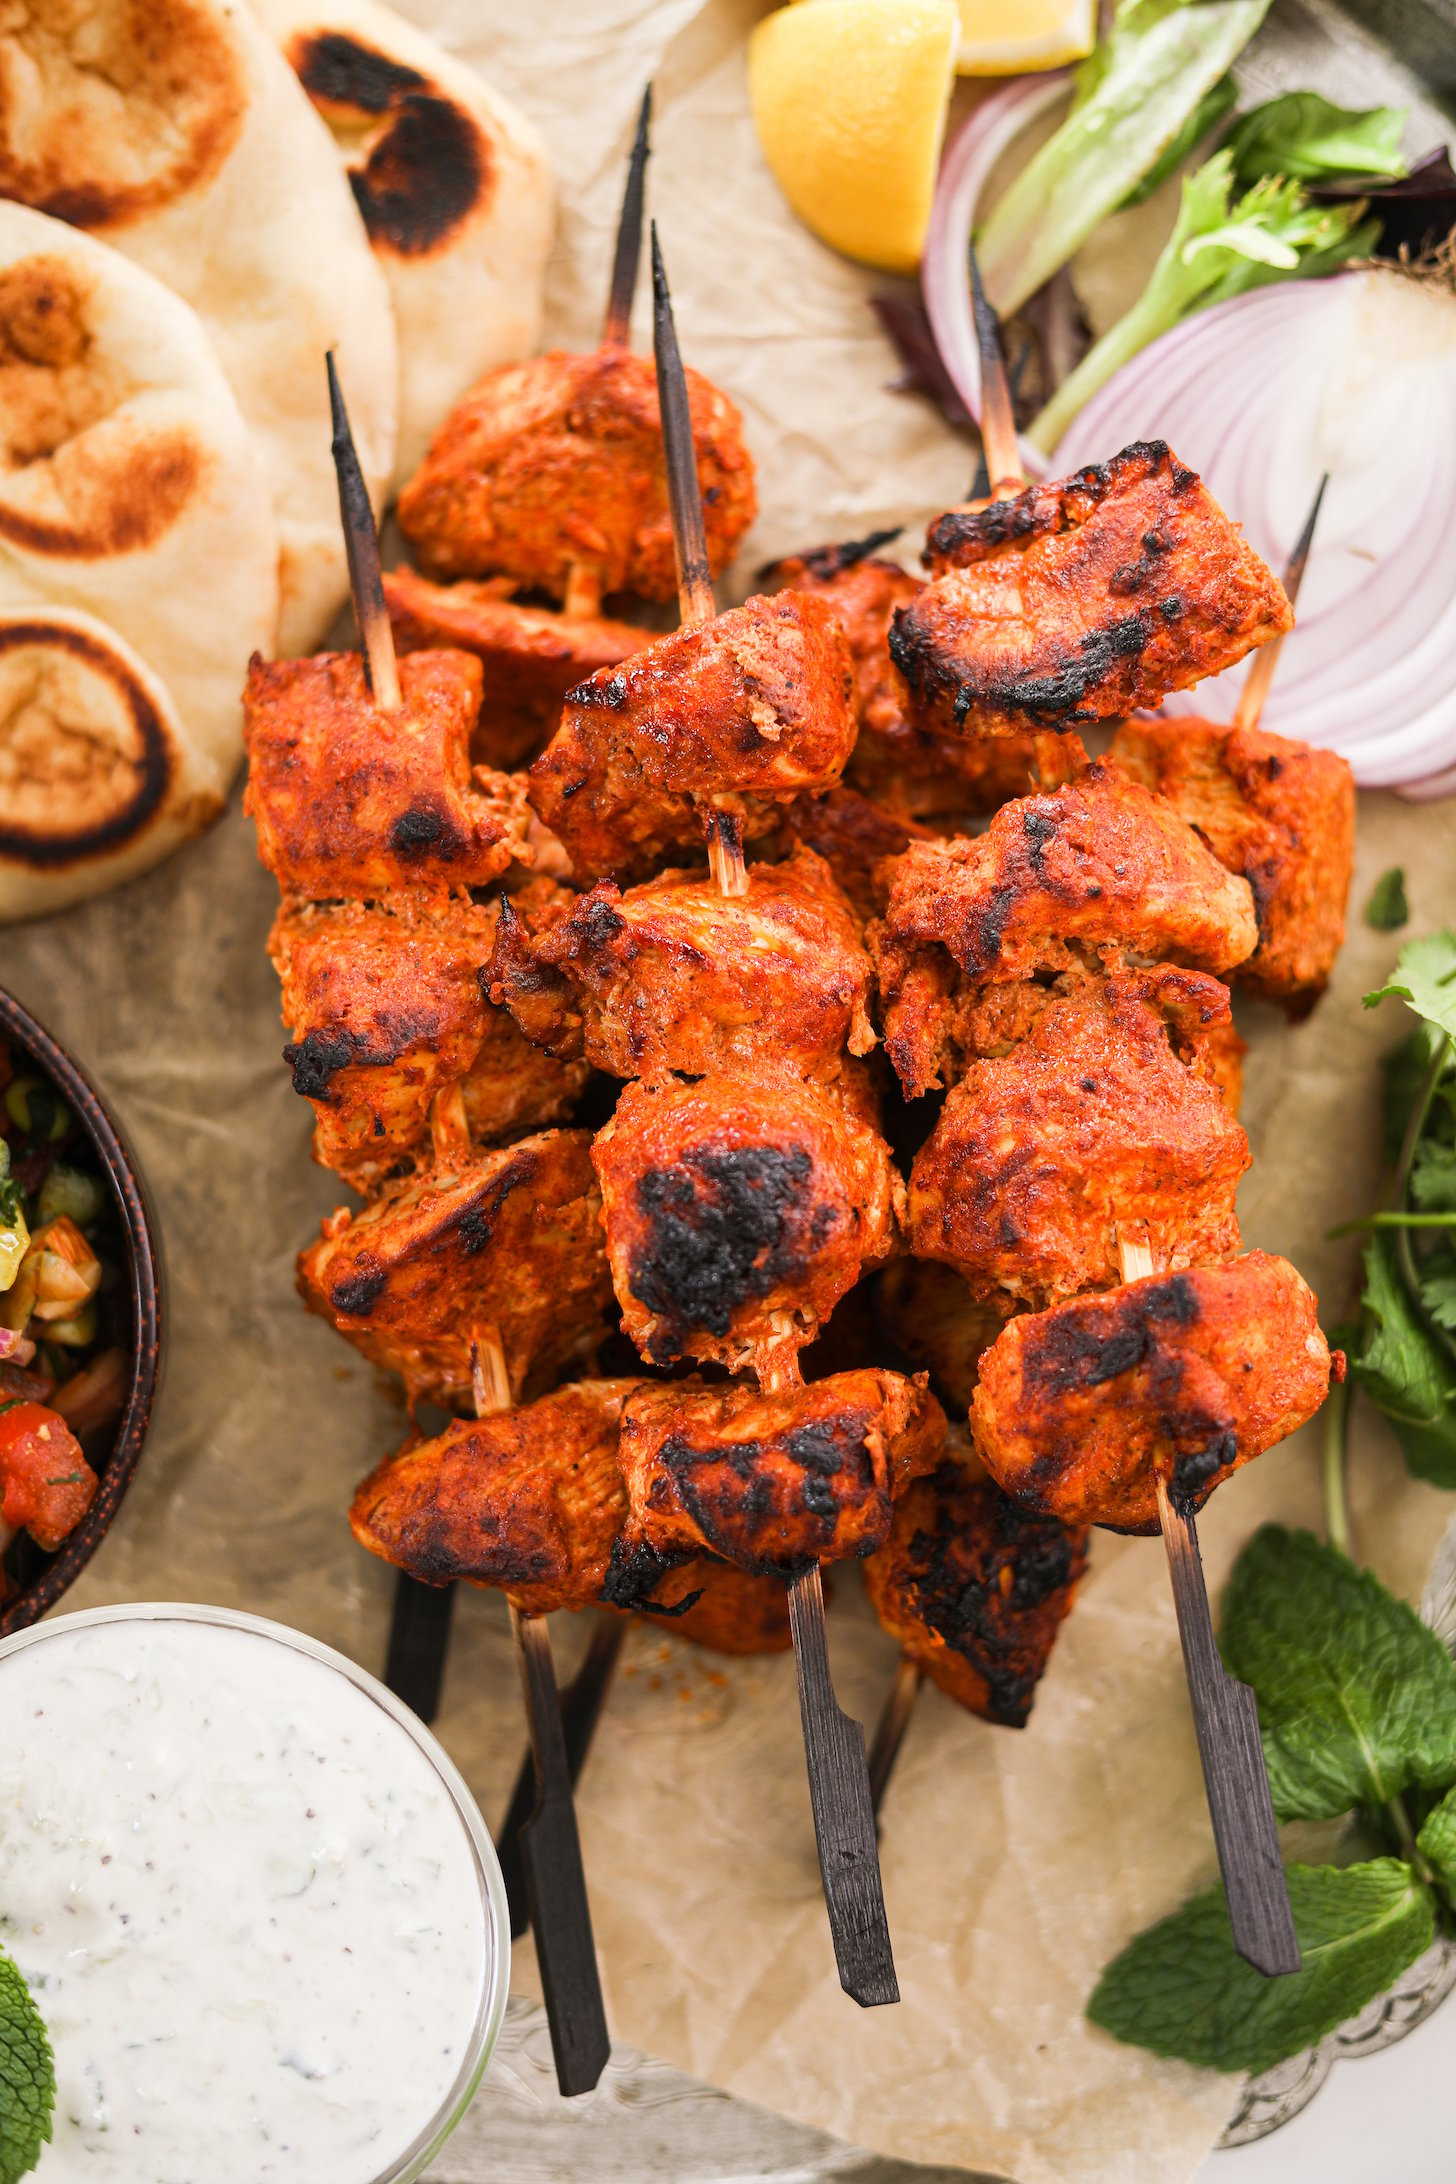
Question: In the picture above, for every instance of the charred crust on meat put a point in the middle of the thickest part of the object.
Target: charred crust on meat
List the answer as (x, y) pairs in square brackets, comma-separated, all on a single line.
[(1197, 1470), (635, 1571), (599, 692), (1039, 828), (475, 1224), (317, 1058), (724, 1227), (827, 562), (1075, 1350), (357, 1293), (969, 534), (422, 829)]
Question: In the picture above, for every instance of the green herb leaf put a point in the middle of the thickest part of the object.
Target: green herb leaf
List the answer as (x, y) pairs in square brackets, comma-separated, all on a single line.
[(1433, 1176), (1404, 1072), (1304, 138), (1357, 1699), (1211, 109), (1405, 1371), (1425, 978), (1438, 1295), (1219, 247), (1181, 1989), (1134, 93), (1387, 909), (27, 2078), (1437, 1844)]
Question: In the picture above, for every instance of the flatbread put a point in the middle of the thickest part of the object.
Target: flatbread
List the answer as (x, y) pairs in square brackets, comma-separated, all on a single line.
[(98, 776), (174, 130), (130, 487), (455, 188)]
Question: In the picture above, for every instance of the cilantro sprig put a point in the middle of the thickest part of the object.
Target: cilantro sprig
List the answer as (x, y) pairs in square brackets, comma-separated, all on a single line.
[(27, 2078)]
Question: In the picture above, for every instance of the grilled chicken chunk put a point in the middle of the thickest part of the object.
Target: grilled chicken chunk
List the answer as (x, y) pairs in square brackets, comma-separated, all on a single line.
[(386, 1011), (350, 802), (1082, 600), (673, 975), (768, 1482), (1099, 865), (738, 1212), (1187, 1376), (1278, 812), (974, 1587), (530, 1500), (856, 838), (529, 656), (723, 1609), (555, 466), (507, 1242), (1098, 1122), (736, 715), (927, 1311), (911, 770)]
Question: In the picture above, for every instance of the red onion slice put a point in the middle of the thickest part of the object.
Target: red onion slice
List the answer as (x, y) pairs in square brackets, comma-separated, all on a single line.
[(945, 266), (1356, 375)]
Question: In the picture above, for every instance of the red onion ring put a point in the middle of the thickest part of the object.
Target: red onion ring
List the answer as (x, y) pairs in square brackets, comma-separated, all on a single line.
[(945, 265), (1251, 394)]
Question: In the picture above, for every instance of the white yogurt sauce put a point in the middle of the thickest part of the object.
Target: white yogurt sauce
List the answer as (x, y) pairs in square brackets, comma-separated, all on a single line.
[(245, 1902)]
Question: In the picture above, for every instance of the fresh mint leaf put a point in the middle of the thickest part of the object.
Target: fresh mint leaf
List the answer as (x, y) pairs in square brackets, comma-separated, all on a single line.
[(1305, 138), (1437, 1844), (1357, 1699), (1181, 1988), (27, 2078), (1405, 1371), (1425, 978), (1387, 908), (1438, 1295)]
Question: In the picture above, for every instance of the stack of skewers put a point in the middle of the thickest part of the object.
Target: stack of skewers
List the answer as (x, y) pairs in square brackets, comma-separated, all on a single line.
[(673, 900)]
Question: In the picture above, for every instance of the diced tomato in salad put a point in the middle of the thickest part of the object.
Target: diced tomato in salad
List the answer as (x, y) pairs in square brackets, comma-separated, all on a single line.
[(48, 1484)]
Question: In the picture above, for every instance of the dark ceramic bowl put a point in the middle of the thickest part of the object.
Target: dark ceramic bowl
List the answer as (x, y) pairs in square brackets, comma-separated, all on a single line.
[(41, 1578)]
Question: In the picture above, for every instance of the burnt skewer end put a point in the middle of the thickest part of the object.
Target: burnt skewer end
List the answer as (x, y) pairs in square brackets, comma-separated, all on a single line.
[(684, 492), (628, 252), (361, 547), (998, 420)]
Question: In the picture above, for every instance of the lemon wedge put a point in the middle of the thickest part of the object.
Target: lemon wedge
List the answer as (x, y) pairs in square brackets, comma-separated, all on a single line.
[(849, 97), (1007, 37)]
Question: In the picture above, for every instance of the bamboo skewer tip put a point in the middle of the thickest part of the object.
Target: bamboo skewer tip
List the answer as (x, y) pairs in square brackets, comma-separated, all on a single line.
[(998, 420), (361, 549), (684, 491), (1257, 683), (628, 252)]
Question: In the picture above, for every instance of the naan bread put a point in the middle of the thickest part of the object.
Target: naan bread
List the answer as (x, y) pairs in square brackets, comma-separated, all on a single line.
[(174, 130), (455, 188), (130, 487), (98, 777)]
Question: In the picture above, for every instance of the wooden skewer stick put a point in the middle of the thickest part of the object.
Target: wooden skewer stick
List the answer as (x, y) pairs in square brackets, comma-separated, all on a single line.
[(1256, 683), (628, 252), (1226, 1716), (998, 420), (890, 1729), (550, 1847), (581, 1705), (839, 1788), (361, 544), (722, 823)]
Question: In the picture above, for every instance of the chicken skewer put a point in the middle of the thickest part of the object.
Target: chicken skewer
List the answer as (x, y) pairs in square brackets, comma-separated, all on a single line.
[(549, 1842), (1235, 1777)]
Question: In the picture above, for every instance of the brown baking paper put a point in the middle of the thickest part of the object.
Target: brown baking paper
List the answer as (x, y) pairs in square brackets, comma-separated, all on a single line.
[(1015, 1863)]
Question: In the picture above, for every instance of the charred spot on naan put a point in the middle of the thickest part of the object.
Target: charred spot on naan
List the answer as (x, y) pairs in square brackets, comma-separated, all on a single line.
[(86, 760), (75, 481), (110, 112), (423, 168)]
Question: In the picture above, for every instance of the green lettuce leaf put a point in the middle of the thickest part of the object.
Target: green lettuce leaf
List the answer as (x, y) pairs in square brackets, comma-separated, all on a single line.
[(1181, 1989), (1357, 1699), (1425, 978), (1304, 138), (1218, 248), (27, 2078), (1405, 1371), (1214, 106), (1134, 94)]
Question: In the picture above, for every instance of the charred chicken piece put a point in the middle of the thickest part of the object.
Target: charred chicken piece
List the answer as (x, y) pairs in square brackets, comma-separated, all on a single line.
[(1082, 600), (507, 1241), (1098, 1122), (768, 1482), (1278, 812), (1187, 1376), (351, 802), (555, 466), (530, 1500), (856, 838), (529, 656), (1099, 865), (927, 1311), (738, 1212), (386, 1010), (723, 1609), (738, 714), (974, 1587), (673, 975), (911, 770)]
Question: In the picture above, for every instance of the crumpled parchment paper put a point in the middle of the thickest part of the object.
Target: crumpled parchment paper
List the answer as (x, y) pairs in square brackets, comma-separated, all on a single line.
[(1015, 1864)]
